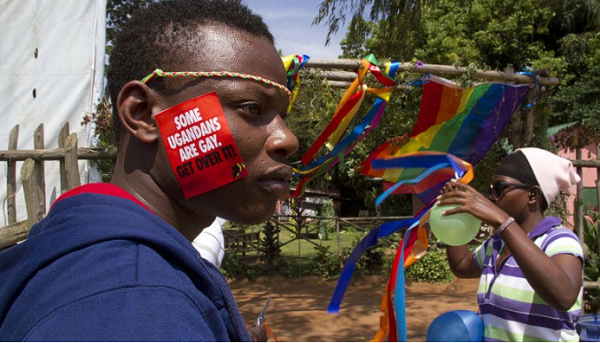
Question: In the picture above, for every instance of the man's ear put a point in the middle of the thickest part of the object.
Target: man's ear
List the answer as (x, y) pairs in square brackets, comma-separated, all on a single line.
[(137, 104)]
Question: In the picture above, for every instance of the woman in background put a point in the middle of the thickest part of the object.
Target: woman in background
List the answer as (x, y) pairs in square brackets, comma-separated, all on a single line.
[(531, 269)]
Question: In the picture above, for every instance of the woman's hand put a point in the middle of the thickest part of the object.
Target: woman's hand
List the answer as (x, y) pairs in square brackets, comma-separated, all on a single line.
[(471, 201)]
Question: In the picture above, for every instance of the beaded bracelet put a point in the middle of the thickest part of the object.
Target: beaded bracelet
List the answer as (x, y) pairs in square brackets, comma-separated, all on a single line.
[(504, 225)]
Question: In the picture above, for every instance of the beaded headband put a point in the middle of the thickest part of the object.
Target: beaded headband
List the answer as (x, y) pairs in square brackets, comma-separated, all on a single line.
[(161, 73)]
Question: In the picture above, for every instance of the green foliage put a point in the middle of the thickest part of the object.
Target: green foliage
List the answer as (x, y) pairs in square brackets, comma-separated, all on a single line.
[(559, 38), (105, 133), (359, 30), (592, 260), (590, 246), (325, 264), (234, 266), (326, 226), (117, 13), (373, 261), (401, 16), (271, 251), (433, 267)]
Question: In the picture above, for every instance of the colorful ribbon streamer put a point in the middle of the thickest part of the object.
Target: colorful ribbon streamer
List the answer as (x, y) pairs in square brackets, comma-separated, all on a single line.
[(433, 162), (293, 64), (408, 251), (455, 128), (414, 243), (368, 241), (531, 72), (332, 137)]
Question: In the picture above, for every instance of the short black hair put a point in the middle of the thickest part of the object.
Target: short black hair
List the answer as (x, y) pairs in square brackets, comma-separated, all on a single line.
[(150, 38)]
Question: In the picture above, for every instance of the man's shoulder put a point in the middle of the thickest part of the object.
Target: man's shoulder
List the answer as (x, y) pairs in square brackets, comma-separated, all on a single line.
[(129, 314), (118, 276), (120, 263)]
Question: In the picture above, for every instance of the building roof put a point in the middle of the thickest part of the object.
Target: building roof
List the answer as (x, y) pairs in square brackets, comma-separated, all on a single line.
[(558, 128)]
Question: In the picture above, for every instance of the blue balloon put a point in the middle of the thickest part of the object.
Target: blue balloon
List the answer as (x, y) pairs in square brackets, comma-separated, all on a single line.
[(588, 327), (456, 326)]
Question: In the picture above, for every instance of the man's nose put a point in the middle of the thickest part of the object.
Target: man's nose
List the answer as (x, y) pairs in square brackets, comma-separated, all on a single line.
[(282, 140)]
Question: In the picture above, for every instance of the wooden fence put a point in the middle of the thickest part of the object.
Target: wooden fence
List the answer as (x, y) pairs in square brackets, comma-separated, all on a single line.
[(297, 226), (33, 176), (340, 72), (68, 154)]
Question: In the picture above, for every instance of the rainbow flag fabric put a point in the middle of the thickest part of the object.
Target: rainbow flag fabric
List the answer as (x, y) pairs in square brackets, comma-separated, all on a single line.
[(455, 128), (464, 122)]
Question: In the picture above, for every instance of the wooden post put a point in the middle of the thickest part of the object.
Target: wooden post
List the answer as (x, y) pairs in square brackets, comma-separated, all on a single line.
[(598, 178), (56, 154), (62, 137), (71, 165), (11, 178), (492, 75), (579, 202), (598, 189), (31, 190), (14, 233), (516, 125), (339, 242), (528, 116), (38, 143)]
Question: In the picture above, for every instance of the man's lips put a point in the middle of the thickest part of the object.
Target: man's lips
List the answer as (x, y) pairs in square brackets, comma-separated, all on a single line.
[(277, 180)]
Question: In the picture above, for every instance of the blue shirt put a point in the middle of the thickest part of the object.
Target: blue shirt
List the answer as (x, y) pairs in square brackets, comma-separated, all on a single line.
[(101, 267)]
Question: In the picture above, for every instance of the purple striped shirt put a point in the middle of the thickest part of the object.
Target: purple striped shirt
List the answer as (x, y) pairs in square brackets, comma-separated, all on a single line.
[(510, 308)]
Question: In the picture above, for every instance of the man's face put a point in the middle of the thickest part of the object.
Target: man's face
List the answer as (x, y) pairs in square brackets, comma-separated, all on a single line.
[(254, 113)]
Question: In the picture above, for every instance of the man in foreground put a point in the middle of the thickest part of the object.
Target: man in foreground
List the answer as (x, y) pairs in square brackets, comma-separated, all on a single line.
[(114, 261)]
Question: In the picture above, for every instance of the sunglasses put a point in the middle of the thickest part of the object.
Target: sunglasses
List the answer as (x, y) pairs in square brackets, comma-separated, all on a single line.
[(498, 187)]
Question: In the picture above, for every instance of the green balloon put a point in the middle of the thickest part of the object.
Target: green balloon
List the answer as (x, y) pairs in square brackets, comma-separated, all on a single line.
[(454, 229)]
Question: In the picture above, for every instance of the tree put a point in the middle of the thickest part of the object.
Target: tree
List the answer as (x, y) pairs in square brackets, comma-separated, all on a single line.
[(558, 38), (400, 15), (555, 37), (117, 13)]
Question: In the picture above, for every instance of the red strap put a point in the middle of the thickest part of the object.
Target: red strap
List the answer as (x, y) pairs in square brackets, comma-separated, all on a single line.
[(100, 188), (270, 332)]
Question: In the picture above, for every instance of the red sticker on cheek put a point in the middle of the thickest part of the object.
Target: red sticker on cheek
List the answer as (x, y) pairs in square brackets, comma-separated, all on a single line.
[(200, 146)]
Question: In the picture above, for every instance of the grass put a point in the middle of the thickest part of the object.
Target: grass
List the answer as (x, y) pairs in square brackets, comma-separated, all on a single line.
[(301, 247), (305, 255), (299, 254)]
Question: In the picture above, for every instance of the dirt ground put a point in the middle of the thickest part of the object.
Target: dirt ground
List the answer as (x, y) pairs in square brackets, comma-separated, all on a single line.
[(298, 308)]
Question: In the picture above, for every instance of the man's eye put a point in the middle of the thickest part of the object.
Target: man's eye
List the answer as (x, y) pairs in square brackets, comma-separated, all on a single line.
[(252, 109)]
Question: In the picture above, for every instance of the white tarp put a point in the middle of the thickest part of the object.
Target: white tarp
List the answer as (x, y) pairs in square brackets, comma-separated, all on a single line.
[(55, 50)]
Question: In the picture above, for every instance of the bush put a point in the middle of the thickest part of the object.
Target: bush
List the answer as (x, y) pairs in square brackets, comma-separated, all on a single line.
[(234, 266), (592, 263), (433, 267), (373, 261), (325, 264), (271, 251)]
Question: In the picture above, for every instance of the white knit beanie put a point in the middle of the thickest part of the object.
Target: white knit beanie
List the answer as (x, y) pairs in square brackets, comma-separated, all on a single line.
[(553, 173)]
